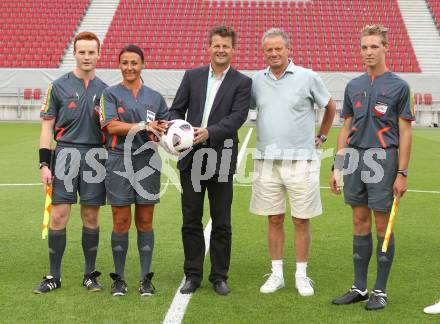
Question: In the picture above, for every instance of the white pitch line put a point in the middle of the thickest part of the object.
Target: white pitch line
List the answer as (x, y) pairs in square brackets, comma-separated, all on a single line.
[(172, 183), (180, 302), (424, 191), (19, 184), (409, 190)]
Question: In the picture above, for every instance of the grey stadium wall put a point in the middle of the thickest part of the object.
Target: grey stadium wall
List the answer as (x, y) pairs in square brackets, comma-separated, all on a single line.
[(13, 105)]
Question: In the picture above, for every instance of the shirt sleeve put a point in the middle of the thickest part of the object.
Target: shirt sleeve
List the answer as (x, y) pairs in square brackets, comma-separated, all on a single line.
[(51, 103), (347, 107), (319, 91), (108, 110), (406, 104), (163, 113)]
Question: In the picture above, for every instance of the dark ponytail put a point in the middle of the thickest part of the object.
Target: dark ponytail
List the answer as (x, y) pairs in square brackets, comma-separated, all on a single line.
[(132, 49)]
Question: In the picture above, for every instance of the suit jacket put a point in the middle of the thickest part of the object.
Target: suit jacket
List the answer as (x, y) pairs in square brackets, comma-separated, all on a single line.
[(229, 111)]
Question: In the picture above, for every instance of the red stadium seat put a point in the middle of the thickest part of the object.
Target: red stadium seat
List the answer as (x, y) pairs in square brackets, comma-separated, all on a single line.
[(37, 94), (46, 26), (434, 6), (427, 99), (418, 98), (27, 94)]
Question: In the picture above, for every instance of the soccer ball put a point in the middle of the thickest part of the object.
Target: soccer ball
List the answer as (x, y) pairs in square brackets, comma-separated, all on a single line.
[(178, 137)]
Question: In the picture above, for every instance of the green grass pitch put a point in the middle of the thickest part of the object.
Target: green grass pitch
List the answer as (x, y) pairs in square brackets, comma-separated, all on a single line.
[(414, 280)]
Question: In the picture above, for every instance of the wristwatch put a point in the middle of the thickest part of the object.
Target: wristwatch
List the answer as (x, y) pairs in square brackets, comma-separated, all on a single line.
[(43, 164), (142, 125), (322, 137), (403, 172)]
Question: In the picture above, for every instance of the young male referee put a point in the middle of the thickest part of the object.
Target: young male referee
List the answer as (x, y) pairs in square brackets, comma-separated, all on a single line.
[(69, 115), (378, 111)]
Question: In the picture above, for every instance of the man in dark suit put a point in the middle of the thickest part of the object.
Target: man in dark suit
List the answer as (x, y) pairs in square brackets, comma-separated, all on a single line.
[(216, 100)]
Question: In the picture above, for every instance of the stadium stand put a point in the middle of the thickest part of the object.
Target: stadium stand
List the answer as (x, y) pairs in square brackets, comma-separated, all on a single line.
[(434, 6), (173, 32), (35, 33), (324, 33)]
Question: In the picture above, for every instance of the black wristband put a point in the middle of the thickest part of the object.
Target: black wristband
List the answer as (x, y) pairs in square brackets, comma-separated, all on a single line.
[(45, 155)]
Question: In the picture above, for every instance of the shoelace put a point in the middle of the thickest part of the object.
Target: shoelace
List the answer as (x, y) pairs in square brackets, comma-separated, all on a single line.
[(354, 288), (379, 293), (118, 283), (379, 298), (49, 280), (304, 281), (272, 278), (90, 281), (147, 282)]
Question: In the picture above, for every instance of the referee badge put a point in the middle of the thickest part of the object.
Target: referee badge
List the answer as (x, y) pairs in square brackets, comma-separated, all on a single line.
[(380, 109), (151, 115)]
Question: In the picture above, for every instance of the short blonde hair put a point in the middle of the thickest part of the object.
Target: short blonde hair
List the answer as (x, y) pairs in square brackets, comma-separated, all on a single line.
[(378, 30)]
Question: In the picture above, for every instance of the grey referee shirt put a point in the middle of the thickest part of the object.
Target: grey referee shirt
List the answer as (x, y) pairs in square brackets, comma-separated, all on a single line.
[(119, 103), (376, 106), (75, 109), (286, 117)]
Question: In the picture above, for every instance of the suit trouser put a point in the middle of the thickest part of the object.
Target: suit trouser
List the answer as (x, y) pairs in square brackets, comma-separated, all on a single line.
[(220, 200)]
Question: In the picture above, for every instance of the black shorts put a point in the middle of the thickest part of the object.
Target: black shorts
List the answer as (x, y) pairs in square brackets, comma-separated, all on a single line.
[(370, 181), (141, 185), (79, 171)]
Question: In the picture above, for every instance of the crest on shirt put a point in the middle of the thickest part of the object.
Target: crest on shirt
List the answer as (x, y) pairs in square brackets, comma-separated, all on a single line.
[(72, 105), (358, 104), (380, 109)]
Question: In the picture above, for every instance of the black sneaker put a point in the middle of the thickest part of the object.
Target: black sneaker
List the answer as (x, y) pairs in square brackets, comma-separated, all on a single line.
[(90, 281), (378, 300), (119, 287), (354, 295), (48, 284), (146, 287)]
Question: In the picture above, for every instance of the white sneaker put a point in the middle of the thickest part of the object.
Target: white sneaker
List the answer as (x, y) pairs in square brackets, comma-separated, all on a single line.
[(304, 286), (433, 309), (272, 284)]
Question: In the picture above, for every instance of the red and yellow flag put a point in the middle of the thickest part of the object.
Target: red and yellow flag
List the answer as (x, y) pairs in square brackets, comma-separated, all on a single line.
[(390, 224), (47, 210)]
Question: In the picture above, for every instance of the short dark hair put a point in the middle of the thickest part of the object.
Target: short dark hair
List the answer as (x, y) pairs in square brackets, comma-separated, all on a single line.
[(223, 31), (86, 36), (132, 49)]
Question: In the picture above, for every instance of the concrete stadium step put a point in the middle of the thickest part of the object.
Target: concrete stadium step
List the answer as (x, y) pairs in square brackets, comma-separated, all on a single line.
[(423, 33), (97, 19)]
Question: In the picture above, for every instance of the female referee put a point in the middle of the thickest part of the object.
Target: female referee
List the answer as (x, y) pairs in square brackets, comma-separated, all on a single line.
[(130, 114)]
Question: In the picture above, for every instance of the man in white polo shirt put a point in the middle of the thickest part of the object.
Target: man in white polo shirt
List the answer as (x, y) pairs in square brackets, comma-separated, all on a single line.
[(286, 159)]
